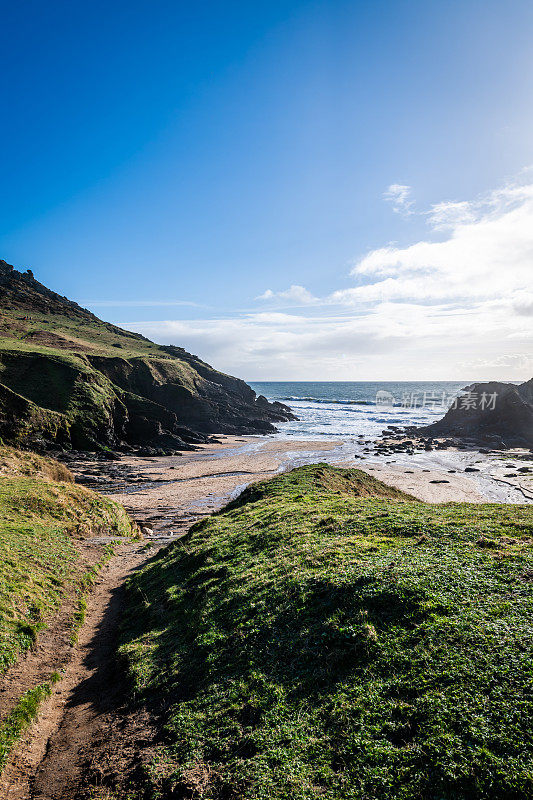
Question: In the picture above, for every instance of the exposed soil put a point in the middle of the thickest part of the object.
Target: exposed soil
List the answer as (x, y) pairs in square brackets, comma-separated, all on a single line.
[(53, 649), (50, 339)]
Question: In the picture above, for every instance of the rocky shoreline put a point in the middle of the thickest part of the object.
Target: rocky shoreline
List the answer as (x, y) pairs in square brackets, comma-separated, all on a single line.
[(411, 442), (166, 494), (497, 415)]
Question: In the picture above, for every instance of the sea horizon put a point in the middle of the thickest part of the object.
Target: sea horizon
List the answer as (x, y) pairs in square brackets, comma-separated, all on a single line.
[(353, 408)]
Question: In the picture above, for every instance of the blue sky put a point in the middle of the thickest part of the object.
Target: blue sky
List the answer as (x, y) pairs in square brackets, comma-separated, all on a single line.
[(169, 163)]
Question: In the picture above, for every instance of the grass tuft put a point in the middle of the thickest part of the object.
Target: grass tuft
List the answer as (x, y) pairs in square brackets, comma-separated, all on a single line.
[(40, 524), (21, 717)]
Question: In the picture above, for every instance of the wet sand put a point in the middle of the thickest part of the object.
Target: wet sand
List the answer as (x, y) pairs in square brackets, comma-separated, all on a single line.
[(201, 482), (169, 493), (431, 486)]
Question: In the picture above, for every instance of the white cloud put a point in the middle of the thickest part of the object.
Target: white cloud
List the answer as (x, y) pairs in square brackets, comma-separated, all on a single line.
[(488, 252), (456, 305), (449, 214), (399, 195), (523, 303), (391, 341), (518, 361), (279, 345), (295, 294)]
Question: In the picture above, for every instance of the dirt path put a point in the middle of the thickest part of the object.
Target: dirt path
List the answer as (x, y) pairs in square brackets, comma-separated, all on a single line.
[(49, 763), (78, 727)]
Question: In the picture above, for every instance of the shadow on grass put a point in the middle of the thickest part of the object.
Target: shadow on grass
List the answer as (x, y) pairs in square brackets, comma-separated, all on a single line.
[(308, 641)]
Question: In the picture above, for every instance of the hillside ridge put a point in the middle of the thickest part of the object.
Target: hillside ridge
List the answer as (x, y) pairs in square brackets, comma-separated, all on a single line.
[(328, 636), (71, 380)]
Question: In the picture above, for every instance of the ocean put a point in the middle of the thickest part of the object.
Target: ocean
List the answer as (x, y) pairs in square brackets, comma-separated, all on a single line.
[(329, 408), (345, 411)]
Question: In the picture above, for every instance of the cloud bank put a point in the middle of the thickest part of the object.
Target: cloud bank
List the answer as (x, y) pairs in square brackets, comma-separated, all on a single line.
[(487, 253), (456, 304)]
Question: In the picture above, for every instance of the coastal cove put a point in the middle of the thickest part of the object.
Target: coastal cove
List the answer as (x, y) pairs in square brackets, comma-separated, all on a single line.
[(325, 448), (266, 401), (349, 411), (168, 493), (88, 713)]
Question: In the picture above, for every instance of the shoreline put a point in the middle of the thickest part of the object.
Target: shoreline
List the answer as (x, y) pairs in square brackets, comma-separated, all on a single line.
[(166, 494)]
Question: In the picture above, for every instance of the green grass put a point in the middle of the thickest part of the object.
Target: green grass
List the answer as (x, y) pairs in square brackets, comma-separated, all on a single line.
[(40, 562), (98, 336), (313, 640), (21, 717), (95, 336), (77, 394), (43, 517)]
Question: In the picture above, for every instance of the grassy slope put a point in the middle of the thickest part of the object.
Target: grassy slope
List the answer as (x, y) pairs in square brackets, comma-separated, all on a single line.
[(309, 642), (25, 464), (91, 336), (42, 514), (77, 337), (45, 360)]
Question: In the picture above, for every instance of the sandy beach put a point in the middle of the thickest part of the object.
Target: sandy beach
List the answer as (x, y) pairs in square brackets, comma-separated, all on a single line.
[(167, 494), (176, 490), (431, 486)]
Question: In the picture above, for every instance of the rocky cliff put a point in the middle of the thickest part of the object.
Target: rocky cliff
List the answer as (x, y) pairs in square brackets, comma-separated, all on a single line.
[(68, 379), (498, 413)]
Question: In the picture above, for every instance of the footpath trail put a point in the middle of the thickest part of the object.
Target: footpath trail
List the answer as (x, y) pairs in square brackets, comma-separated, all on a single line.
[(83, 729), (51, 760)]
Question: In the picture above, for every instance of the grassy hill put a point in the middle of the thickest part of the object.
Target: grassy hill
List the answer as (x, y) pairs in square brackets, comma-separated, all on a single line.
[(328, 636), (69, 379), (44, 570), (43, 517)]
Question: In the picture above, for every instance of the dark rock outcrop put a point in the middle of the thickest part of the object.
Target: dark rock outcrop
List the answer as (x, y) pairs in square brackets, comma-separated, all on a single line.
[(497, 413), (68, 379), (525, 390)]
